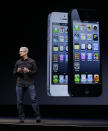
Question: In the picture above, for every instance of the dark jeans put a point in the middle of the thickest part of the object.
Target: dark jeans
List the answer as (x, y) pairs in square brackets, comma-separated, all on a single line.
[(20, 91)]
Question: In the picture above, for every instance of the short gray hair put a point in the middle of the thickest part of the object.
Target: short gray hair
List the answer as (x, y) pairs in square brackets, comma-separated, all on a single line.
[(25, 49)]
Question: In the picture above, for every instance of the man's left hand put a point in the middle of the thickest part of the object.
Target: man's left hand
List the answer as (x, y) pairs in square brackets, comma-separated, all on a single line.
[(26, 70)]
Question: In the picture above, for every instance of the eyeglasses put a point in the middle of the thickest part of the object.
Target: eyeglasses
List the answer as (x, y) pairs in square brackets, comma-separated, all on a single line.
[(22, 51)]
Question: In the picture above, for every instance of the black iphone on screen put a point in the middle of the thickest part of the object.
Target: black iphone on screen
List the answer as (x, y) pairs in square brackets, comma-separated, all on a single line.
[(85, 74)]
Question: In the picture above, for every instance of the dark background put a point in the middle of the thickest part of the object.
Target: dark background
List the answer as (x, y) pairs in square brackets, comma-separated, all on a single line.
[(25, 24)]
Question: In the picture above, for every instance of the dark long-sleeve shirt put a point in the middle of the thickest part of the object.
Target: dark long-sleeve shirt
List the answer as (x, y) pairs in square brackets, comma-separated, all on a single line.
[(25, 79)]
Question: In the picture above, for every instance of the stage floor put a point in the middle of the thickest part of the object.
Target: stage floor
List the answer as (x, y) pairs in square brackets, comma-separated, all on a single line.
[(56, 122)]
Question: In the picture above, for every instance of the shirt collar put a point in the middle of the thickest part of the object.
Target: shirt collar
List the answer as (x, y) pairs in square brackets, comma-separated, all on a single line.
[(25, 59)]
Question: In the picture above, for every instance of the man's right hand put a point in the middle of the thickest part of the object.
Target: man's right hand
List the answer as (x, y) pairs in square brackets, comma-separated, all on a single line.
[(19, 69)]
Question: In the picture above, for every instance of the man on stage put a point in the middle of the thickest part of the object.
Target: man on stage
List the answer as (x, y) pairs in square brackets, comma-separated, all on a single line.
[(25, 70)]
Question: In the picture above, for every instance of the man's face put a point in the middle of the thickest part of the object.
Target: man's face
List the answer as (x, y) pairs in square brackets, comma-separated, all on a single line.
[(22, 52)]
